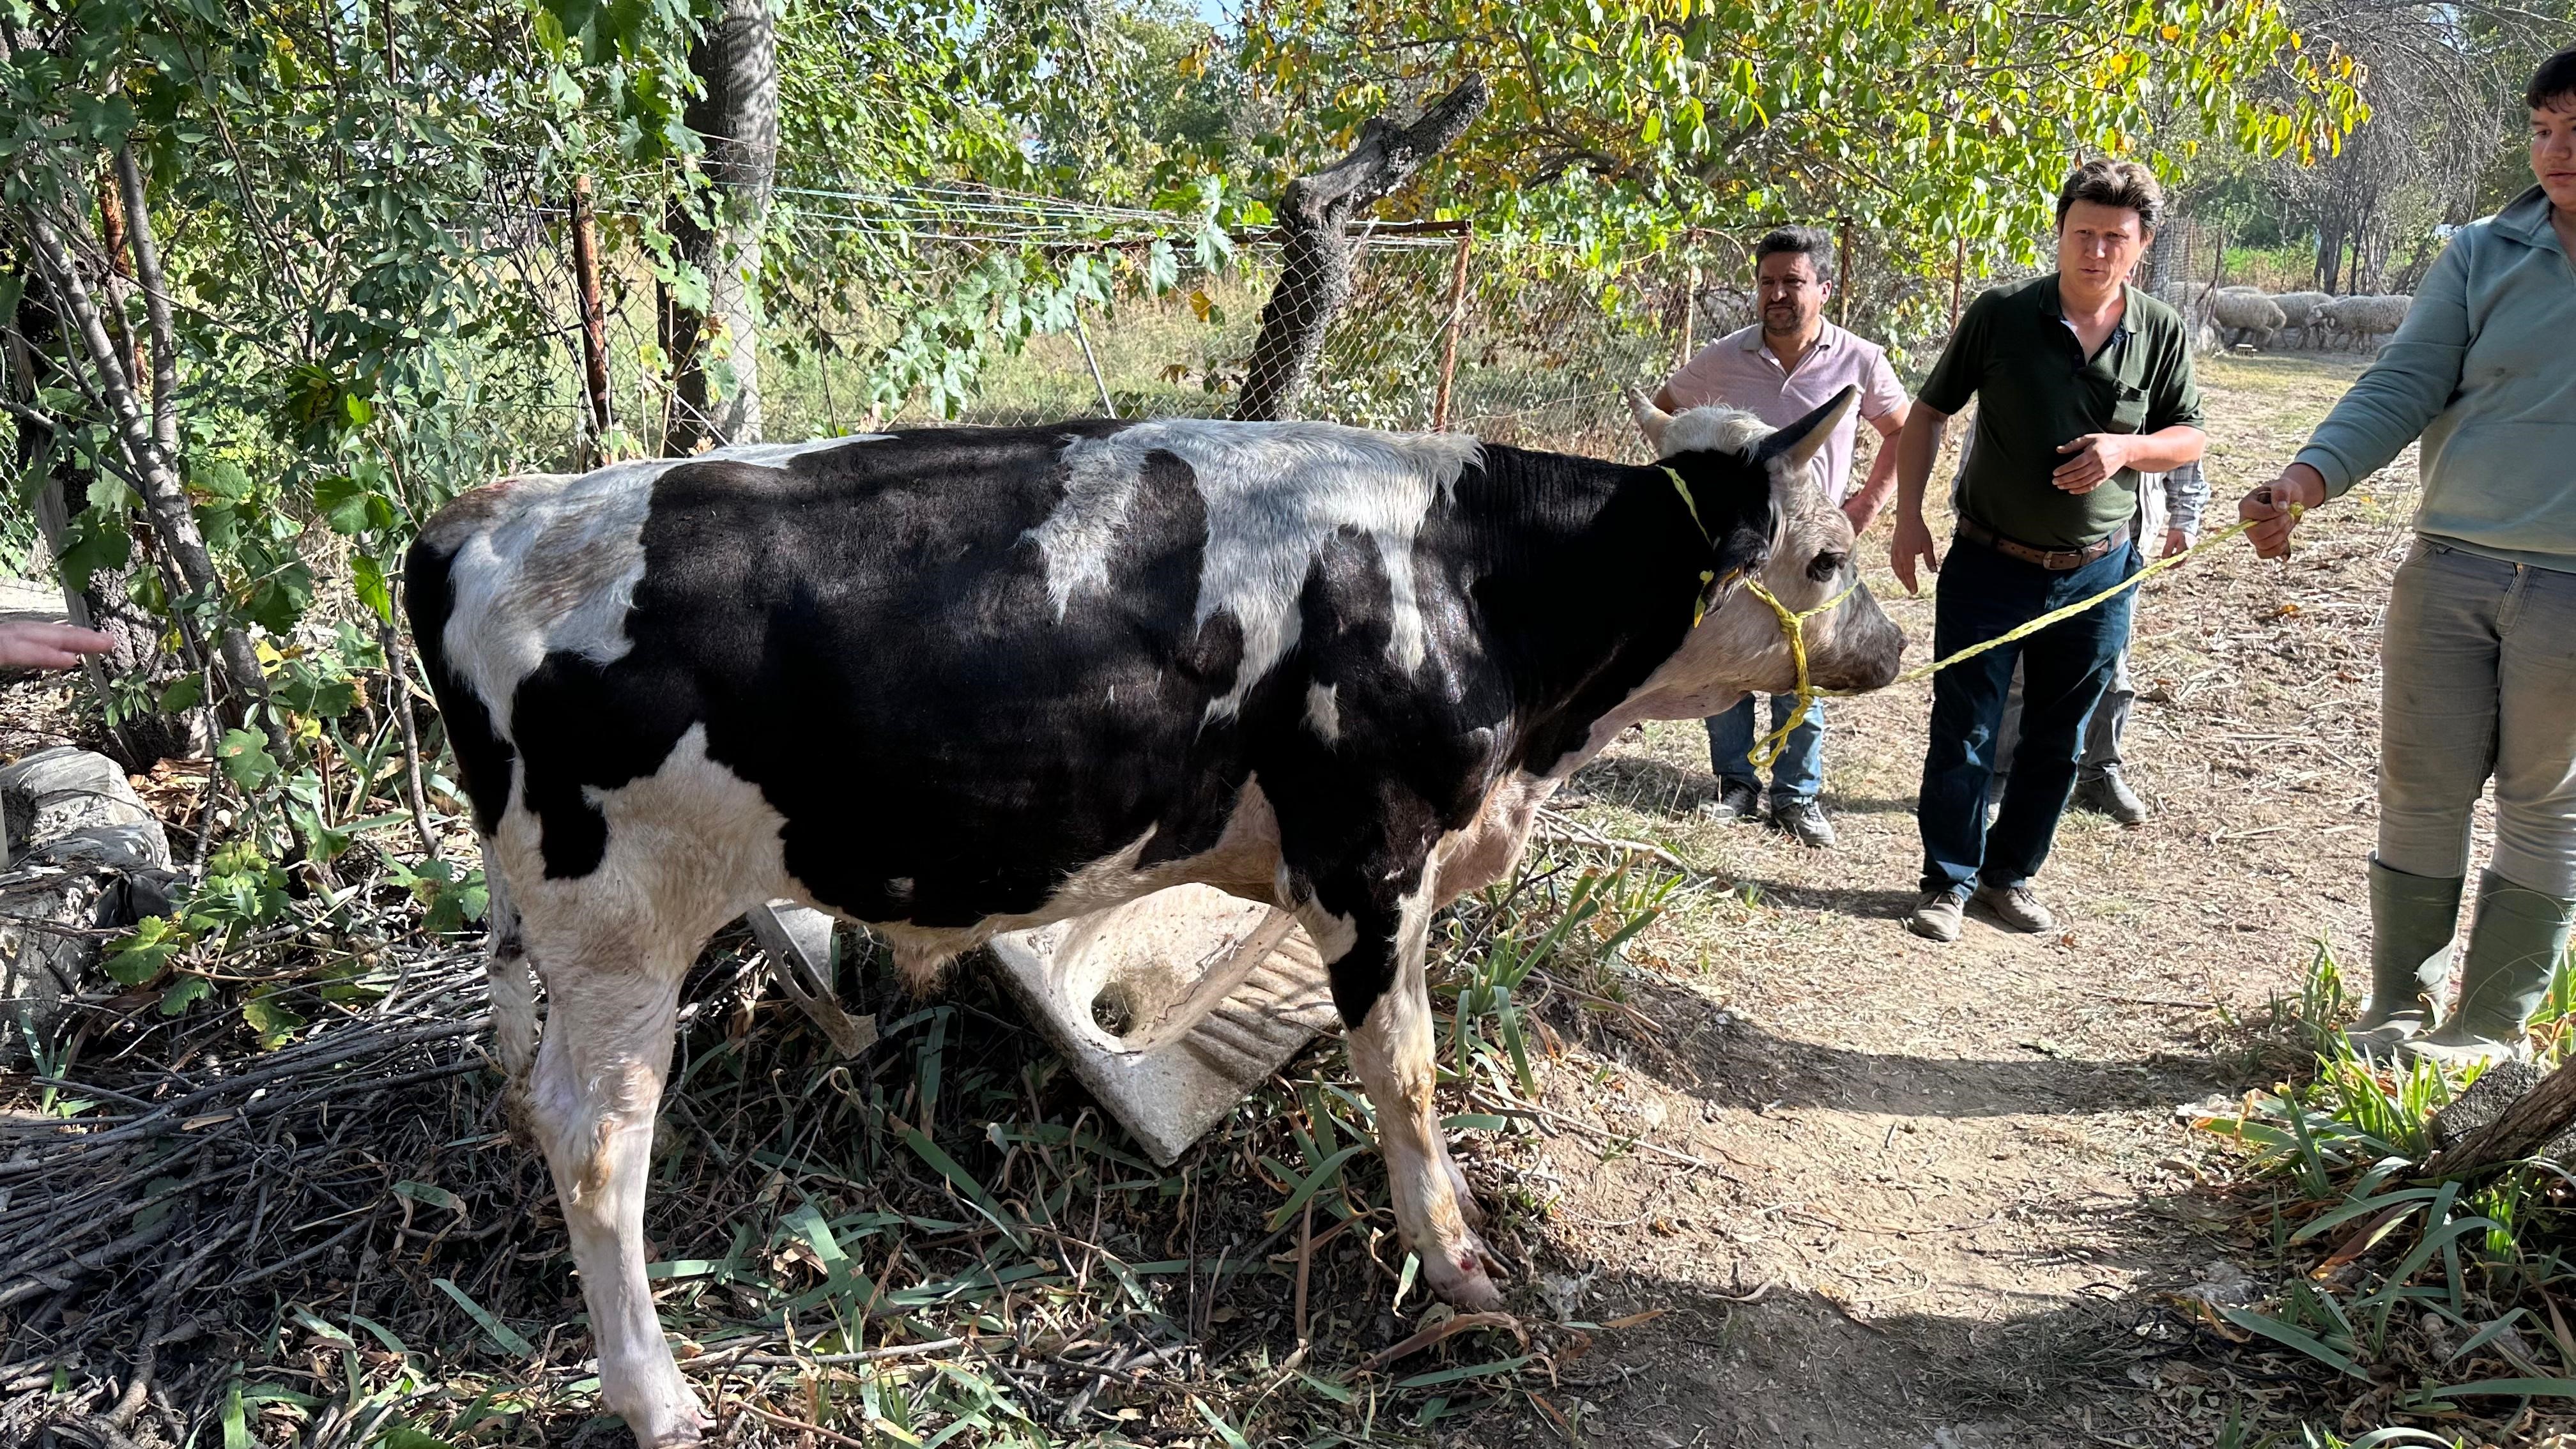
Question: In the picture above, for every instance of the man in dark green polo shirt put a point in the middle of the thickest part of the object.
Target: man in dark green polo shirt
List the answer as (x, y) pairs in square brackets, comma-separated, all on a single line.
[(2085, 382)]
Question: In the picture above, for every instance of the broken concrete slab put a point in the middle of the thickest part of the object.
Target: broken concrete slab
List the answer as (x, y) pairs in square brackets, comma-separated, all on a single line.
[(798, 940), (84, 858), (1172, 1008)]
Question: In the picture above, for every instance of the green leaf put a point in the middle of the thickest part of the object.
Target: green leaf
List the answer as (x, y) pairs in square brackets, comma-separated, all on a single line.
[(96, 545), (2527, 1388), (245, 758), (367, 580), (1472, 1371), (235, 1423), (280, 599), (1314, 1182), (183, 694), (501, 1334), (431, 1194), (342, 502), (141, 957), (2284, 1334), (271, 1019), (1224, 1430), (183, 993)]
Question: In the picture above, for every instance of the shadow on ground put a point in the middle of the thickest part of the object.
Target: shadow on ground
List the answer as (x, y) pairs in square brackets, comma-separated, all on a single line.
[(1717, 1055)]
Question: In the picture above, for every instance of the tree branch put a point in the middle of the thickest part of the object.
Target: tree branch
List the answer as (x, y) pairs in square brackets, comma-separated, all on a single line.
[(156, 305), (164, 499), (1315, 270)]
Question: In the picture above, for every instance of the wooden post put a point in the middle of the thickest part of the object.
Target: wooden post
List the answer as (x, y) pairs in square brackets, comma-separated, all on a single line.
[(594, 325), (1958, 280), (1449, 338), (1843, 282)]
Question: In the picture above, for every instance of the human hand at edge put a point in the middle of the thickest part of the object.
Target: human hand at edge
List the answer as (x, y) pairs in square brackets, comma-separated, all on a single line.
[(33, 644)]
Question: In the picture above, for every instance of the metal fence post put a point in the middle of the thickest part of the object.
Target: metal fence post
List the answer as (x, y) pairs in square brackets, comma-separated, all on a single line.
[(1457, 324), (594, 324)]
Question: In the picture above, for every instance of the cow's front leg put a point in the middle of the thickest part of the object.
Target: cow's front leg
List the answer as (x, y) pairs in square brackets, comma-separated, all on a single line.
[(1378, 983), (596, 1089)]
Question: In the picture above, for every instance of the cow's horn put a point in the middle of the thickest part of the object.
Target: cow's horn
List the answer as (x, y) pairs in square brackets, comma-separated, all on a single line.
[(1651, 420)]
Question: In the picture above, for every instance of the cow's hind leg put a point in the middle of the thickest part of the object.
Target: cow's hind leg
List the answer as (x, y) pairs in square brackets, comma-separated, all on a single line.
[(611, 998), (1379, 985)]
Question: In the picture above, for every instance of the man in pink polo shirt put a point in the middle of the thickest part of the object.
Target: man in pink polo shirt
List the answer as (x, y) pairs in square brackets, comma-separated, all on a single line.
[(1780, 370)]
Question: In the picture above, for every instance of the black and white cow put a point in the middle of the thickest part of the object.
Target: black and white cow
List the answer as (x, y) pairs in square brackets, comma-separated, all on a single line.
[(959, 681)]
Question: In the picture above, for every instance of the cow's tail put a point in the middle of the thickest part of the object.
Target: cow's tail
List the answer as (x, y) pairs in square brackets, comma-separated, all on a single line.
[(514, 990)]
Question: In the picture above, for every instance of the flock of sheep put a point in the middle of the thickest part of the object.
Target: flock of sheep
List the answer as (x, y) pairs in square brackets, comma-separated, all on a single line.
[(2232, 316)]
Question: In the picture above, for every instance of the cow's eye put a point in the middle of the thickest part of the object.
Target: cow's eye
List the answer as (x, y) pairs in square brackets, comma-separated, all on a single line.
[(1825, 565)]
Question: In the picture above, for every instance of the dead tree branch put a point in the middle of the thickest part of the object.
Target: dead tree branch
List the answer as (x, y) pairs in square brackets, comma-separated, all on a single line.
[(1315, 269)]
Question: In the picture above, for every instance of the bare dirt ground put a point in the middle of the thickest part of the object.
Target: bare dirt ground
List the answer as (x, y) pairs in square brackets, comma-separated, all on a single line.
[(1949, 1180)]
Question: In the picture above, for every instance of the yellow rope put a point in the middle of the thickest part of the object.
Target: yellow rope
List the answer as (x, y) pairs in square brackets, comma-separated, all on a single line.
[(1766, 750)]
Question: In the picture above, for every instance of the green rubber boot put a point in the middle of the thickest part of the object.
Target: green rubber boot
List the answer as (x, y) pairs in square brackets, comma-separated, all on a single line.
[(2520, 936), (2412, 921)]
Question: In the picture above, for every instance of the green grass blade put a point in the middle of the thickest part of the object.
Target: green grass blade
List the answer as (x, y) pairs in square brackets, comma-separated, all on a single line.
[(2288, 1337), (500, 1332)]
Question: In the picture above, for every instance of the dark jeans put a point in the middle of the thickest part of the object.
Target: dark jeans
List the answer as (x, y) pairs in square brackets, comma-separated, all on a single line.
[(1799, 772), (2065, 668)]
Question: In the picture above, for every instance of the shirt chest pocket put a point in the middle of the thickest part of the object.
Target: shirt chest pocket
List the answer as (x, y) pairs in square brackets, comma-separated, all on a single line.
[(2128, 409)]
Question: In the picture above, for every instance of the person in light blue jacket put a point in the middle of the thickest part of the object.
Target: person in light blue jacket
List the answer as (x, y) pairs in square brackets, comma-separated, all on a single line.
[(2478, 657)]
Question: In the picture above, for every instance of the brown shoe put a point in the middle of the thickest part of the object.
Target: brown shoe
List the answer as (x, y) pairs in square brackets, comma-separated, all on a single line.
[(2014, 908), (1936, 918)]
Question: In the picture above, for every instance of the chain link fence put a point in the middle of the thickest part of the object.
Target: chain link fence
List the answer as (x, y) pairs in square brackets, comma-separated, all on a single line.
[(1013, 310)]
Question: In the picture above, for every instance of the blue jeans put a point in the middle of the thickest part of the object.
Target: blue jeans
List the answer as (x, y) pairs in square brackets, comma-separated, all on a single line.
[(1799, 772), (2065, 668)]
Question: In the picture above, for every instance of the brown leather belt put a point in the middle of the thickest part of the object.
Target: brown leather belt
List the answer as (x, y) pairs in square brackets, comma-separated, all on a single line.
[(2056, 560)]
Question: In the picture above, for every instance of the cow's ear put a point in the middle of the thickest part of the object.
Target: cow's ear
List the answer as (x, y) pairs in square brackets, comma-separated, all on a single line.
[(1797, 444), (1739, 513)]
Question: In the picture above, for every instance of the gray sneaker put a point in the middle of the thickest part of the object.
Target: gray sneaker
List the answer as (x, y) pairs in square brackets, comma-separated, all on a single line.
[(1806, 820), (2108, 794), (1936, 918), (1735, 801), (2014, 908)]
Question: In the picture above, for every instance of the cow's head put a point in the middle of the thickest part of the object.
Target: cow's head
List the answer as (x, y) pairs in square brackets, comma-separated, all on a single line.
[(1740, 646)]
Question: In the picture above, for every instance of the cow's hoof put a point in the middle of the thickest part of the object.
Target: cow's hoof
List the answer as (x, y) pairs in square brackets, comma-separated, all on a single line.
[(1464, 1278)]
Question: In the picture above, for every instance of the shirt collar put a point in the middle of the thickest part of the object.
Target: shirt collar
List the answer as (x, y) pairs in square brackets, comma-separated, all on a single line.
[(2526, 218), (1827, 335), (2051, 304)]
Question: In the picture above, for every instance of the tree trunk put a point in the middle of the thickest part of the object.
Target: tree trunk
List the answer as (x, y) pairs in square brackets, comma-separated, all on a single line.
[(1315, 266), (106, 601), (146, 434), (2537, 1118), (715, 354)]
